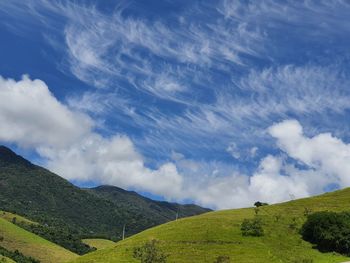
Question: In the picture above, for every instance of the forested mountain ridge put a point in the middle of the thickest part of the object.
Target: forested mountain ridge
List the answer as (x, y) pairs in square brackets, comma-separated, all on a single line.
[(45, 197)]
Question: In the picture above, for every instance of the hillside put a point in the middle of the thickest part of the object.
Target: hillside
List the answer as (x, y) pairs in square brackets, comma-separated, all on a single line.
[(6, 260), (202, 238), (16, 238), (161, 211), (44, 197)]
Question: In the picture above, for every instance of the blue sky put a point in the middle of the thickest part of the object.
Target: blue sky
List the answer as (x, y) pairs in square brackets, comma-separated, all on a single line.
[(214, 102)]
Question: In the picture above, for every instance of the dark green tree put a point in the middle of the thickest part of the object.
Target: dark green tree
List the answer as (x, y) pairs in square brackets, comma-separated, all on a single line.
[(330, 231), (258, 204)]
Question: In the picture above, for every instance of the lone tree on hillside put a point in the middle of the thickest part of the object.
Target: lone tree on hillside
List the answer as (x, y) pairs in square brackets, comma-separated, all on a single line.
[(258, 204), (150, 253)]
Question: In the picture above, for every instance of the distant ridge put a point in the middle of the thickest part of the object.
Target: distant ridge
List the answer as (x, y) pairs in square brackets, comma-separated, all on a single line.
[(161, 209), (43, 196)]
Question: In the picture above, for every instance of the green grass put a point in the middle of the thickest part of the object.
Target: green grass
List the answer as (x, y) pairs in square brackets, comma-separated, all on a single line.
[(20, 219), (32, 245), (99, 243), (6, 260), (201, 239)]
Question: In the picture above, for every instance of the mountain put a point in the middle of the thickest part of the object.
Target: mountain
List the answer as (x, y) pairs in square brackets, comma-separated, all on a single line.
[(163, 211), (40, 195), (206, 237)]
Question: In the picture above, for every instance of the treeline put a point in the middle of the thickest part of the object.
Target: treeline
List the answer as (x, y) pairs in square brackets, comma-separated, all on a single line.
[(61, 235), (17, 256)]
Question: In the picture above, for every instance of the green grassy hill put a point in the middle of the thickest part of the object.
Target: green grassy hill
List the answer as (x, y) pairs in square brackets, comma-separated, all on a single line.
[(6, 260), (203, 238), (44, 197), (16, 238)]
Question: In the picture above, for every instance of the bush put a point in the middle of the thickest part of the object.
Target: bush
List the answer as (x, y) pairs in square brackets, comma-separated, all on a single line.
[(330, 231), (293, 225), (222, 259), (150, 253), (252, 227), (307, 211)]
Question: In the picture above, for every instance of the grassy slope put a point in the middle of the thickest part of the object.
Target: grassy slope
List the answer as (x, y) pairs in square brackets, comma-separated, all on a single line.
[(32, 245), (20, 219), (6, 260), (99, 243), (203, 238)]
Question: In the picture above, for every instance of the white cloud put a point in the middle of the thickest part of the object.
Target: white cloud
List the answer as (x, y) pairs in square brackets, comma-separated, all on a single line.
[(169, 63), (323, 152), (178, 62), (253, 151), (308, 89), (233, 150), (30, 115), (113, 161), (319, 161)]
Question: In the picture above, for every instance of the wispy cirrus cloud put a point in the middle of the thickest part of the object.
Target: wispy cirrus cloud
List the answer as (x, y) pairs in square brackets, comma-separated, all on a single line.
[(205, 82)]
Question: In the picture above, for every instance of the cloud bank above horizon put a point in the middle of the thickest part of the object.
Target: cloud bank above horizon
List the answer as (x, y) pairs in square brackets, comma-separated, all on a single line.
[(209, 103)]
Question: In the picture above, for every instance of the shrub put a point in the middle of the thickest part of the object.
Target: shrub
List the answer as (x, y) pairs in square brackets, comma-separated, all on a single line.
[(252, 227), (222, 259), (293, 225), (330, 231), (256, 211), (150, 253), (307, 211)]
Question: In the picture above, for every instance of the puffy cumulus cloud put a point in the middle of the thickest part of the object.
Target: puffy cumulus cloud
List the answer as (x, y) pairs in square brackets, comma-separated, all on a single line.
[(323, 152), (30, 115), (113, 161), (307, 167), (273, 181)]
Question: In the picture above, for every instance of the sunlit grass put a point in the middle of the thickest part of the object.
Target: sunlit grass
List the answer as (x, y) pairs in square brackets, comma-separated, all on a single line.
[(10, 216), (99, 243), (6, 260), (14, 237), (203, 238)]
